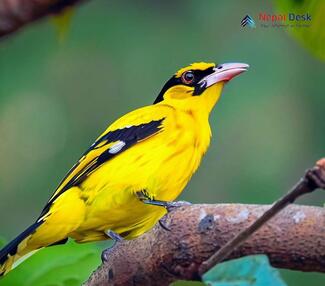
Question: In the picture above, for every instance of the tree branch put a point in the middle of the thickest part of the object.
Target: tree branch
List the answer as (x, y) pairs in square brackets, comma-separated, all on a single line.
[(294, 239), (15, 14), (202, 235)]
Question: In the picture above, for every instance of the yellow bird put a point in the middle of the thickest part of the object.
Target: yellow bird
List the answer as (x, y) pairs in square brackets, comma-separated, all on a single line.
[(124, 182)]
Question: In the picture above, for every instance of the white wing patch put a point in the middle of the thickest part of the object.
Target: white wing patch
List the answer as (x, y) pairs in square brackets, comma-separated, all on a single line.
[(116, 147)]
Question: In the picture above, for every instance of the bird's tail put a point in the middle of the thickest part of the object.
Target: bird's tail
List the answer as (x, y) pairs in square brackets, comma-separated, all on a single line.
[(17, 250)]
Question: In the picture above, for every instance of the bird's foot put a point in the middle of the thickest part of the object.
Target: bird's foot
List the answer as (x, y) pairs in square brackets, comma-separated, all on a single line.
[(163, 223), (116, 238), (104, 256), (170, 206), (113, 235), (145, 197)]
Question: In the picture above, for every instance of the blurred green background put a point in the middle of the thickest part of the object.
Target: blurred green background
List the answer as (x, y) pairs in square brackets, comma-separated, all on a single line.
[(57, 96)]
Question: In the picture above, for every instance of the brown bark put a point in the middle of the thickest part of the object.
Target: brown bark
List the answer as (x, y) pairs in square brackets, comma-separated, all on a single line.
[(195, 238), (15, 14), (294, 239), (313, 180)]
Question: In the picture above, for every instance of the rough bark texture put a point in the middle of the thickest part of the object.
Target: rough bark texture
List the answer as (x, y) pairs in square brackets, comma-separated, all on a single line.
[(313, 179), (15, 14), (294, 239)]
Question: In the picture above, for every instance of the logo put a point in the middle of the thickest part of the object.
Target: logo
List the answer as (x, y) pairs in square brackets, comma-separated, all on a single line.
[(248, 21), (284, 17), (289, 20), (281, 20)]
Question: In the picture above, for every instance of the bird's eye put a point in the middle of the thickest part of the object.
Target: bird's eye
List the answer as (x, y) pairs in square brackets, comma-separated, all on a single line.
[(188, 77)]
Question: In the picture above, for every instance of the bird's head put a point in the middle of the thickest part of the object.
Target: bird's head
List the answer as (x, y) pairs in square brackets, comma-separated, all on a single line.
[(198, 85)]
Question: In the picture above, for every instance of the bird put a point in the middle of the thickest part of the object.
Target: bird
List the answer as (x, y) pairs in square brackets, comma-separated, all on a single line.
[(132, 174)]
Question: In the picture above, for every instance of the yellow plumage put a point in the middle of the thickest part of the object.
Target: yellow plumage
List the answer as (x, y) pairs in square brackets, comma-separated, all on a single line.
[(153, 150)]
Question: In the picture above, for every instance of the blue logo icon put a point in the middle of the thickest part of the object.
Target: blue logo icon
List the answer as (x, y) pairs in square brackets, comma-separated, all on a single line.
[(248, 21)]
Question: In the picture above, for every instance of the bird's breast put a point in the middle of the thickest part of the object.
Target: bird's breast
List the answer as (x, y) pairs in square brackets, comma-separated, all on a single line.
[(185, 140)]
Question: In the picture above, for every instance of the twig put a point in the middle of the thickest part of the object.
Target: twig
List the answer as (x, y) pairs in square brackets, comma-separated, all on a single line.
[(313, 179)]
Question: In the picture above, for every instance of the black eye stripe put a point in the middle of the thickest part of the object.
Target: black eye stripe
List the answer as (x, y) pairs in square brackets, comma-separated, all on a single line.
[(199, 74), (173, 81)]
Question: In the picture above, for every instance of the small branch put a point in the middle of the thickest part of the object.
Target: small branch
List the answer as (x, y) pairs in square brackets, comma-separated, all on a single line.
[(15, 14), (294, 239), (313, 179)]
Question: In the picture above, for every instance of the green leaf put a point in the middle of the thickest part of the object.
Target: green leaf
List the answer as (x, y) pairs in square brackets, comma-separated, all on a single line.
[(62, 265), (312, 37), (247, 271)]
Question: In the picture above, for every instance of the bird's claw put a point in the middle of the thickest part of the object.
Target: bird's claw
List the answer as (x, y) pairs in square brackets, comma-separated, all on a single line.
[(162, 223), (170, 206), (104, 256), (114, 236)]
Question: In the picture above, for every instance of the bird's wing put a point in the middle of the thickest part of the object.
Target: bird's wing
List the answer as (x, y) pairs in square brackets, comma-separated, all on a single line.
[(121, 135)]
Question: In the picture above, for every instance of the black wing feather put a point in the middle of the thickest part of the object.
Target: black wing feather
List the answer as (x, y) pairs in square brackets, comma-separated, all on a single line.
[(129, 135)]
